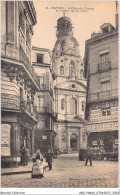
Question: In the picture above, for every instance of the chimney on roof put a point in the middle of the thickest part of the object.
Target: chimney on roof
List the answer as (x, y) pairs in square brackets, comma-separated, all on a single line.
[(116, 15)]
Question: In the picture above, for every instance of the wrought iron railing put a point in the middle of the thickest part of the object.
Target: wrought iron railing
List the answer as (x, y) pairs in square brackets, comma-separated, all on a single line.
[(46, 110), (104, 66), (23, 58), (14, 102), (25, 105), (103, 95), (41, 109), (10, 101)]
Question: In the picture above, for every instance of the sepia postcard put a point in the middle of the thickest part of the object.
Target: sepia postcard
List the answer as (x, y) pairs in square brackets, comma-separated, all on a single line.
[(59, 97)]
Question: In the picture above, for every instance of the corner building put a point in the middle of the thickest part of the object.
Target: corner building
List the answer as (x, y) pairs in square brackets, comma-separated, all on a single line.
[(69, 89), (19, 82), (101, 71)]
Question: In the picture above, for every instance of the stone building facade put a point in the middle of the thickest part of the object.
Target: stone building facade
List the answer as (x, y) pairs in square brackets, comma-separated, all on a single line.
[(101, 71), (19, 82), (69, 88), (44, 100)]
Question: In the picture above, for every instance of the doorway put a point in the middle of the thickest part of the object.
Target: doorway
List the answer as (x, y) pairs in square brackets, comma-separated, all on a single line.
[(73, 142)]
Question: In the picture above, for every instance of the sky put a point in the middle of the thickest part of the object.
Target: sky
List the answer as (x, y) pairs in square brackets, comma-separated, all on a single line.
[(86, 17)]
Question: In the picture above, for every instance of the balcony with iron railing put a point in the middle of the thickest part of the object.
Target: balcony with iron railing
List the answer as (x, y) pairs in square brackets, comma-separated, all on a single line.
[(41, 110), (46, 110), (103, 95), (11, 52), (9, 101), (27, 106), (104, 66), (15, 103), (24, 58)]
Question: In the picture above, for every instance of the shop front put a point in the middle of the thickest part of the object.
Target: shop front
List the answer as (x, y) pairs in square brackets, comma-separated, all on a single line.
[(16, 132), (104, 145), (45, 139), (103, 142)]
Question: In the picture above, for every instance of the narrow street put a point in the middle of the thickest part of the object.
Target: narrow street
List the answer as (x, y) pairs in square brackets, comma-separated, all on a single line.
[(68, 172)]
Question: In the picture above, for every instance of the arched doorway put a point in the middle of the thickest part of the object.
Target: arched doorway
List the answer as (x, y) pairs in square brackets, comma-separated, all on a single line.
[(73, 142)]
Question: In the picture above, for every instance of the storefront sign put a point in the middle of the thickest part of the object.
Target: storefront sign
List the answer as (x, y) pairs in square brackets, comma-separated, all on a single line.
[(5, 140), (110, 126)]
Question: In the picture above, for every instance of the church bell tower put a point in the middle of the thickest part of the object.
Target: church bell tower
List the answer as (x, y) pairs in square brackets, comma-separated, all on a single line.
[(69, 87), (67, 62)]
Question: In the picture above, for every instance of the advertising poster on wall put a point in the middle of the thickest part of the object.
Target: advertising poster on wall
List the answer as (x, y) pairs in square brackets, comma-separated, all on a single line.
[(5, 140)]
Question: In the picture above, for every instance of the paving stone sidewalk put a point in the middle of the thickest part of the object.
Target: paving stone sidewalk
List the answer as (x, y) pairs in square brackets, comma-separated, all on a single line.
[(20, 169), (68, 172)]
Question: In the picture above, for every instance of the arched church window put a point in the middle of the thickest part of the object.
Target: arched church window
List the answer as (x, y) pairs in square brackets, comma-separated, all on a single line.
[(62, 70), (62, 104), (72, 69), (73, 106), (81, 73)]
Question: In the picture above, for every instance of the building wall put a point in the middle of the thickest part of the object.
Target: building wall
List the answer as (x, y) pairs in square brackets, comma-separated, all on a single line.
[(44, 130), (108, 44), (3, 21), (102, 99), (7, 86), (45, 52), (16, 70)]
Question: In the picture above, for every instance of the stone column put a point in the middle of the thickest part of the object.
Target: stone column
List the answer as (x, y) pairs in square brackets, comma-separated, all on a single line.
[(28, 140), (33, 149), (78, 142), (15, 139), (18, 140), (68, 138), (50, 141)]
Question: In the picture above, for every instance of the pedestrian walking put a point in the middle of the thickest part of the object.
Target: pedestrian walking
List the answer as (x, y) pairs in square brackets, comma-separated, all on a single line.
[(81, 154), (27, 155), (37, 169), (49, 159), (55, 152), (24, 157), (88, 155), (38, 156)]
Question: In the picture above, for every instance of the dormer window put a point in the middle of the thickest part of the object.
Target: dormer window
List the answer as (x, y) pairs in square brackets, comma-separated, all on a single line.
[(106, 27), (105, 30)]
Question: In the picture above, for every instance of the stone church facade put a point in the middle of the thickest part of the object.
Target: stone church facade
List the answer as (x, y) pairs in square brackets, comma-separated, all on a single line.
[(69, 88)]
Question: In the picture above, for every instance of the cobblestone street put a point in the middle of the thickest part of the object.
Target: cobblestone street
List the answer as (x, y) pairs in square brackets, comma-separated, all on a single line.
[(68, 172)]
